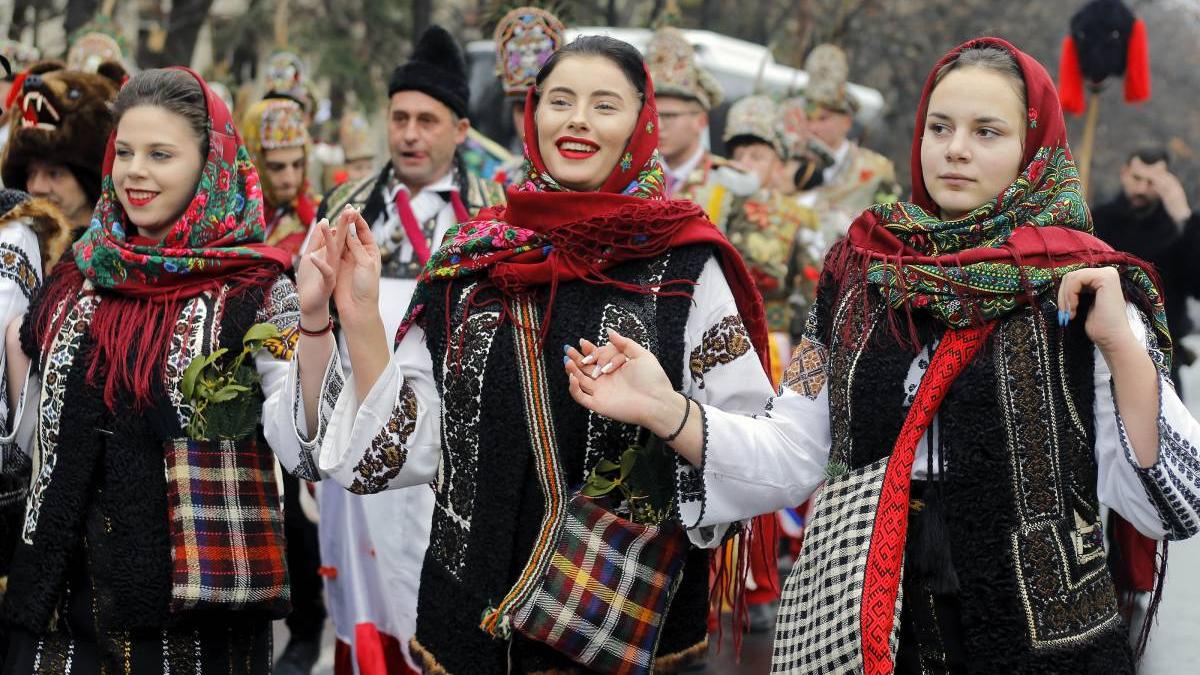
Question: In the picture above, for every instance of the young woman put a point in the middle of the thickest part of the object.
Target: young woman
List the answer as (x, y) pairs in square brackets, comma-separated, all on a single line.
[(474, 397), (978, 374), (152, 539)]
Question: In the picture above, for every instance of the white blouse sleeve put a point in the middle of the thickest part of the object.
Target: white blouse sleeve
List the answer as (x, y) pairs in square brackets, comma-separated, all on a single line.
[(1162, 501), (284, 425), (762, 451), (393, 438), (20, 275)]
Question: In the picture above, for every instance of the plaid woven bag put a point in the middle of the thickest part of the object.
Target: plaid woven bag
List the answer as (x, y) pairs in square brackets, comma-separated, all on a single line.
[(604, 595), (227, 542)]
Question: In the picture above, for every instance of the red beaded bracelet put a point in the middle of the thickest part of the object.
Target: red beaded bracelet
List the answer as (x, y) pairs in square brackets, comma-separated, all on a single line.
[(316, 333)]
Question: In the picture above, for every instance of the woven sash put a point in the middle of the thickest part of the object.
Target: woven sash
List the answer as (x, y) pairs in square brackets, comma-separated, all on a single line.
[(536, 395), (886, 553)]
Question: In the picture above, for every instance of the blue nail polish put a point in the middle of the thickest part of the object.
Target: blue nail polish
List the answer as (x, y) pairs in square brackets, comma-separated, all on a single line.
[(1064, 317), (566, 360), (566, 349)]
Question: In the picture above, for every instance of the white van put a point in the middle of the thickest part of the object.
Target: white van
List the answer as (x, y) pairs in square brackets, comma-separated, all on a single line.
[(743, 68)]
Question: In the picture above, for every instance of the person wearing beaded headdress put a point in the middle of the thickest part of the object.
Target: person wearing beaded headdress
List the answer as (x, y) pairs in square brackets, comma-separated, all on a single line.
[(281, 120), (525, 38), (279, 145), (358, 146), (373, 546), (857, 177), (778, 238), (686, 93), (92, 49)]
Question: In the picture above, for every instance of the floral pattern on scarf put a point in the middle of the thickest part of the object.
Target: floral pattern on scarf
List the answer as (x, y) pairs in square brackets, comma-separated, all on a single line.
[(220, 232)]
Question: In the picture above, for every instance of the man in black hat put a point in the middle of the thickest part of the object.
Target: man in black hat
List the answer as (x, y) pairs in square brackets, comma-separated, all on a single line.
[(427, 121), (421, 193)]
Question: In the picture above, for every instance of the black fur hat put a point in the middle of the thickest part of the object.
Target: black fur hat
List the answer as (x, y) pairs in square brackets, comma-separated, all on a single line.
[(437, 68)]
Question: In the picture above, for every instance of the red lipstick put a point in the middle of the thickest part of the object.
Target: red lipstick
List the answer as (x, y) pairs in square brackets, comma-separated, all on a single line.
[(581, 148)]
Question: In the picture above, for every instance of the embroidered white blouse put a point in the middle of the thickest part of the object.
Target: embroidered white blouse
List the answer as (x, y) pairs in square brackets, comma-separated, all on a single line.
[(402, 412)]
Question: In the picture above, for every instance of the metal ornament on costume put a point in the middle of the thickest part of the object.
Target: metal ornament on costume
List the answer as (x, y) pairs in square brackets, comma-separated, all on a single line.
[(525, 39)]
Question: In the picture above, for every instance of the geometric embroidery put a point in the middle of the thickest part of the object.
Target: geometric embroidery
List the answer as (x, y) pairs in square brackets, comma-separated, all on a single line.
[(1062, 575), (808, 370)]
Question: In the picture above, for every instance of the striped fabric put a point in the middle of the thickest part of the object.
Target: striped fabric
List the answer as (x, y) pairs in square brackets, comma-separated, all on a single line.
[(596, 587), (226, 527), (540, 422), (606, 592)]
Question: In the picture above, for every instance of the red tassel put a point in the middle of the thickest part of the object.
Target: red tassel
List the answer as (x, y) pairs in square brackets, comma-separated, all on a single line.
[(1070, 79), (1137, 65)]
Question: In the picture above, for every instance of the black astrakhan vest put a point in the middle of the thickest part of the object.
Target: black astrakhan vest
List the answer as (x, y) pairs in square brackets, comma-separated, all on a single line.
[(489, 503), (1016, 444), (103, 528)]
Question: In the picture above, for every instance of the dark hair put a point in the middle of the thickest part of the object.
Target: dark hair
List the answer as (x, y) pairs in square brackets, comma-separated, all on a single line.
[(624, 55), (1150, 155), (175, 91), (990, 58)]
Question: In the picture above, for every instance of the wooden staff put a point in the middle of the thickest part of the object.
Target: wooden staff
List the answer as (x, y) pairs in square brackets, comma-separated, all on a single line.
[(106, 10), (1089, 140)]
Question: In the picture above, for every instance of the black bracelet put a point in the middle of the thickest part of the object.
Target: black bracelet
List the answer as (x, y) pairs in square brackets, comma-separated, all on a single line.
[(687, 410)]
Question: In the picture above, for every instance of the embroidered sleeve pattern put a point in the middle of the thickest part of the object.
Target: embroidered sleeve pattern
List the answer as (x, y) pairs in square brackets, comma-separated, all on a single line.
[(689, 482), (15, 265), (331, 388), (1172, 484), (808, 370), (721, 344), (388, 450), (281, 308)]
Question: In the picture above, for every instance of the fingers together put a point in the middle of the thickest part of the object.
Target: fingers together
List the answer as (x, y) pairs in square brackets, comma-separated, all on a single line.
[(590, 362)]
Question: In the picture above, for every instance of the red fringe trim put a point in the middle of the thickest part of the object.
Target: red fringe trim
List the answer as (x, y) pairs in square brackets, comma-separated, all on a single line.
[(132, 334)]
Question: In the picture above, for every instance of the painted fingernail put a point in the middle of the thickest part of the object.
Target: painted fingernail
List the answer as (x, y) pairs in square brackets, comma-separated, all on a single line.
[(607, 368), (596, 372), (587, 360), (566, 359), (566, 349), (1064, 317)]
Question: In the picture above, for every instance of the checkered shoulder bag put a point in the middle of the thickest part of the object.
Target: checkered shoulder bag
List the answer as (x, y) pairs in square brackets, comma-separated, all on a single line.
[(597, 586), (226, 527), (604, 595)]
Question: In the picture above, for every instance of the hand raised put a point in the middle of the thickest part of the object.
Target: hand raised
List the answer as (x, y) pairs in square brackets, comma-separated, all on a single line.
[(1106, 325), (357, 290), (1174, 198), (316, 273)]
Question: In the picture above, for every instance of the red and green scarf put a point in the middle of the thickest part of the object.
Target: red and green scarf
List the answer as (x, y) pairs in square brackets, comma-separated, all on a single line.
[(547, 234), (1004, 254), (217, 240)]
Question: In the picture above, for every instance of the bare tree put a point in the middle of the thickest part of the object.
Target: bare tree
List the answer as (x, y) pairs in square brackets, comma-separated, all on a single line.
[(183, 27)]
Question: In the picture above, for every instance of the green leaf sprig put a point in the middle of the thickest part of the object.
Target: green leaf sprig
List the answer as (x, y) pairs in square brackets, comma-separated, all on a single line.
[(216, 392), (643, 478)]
